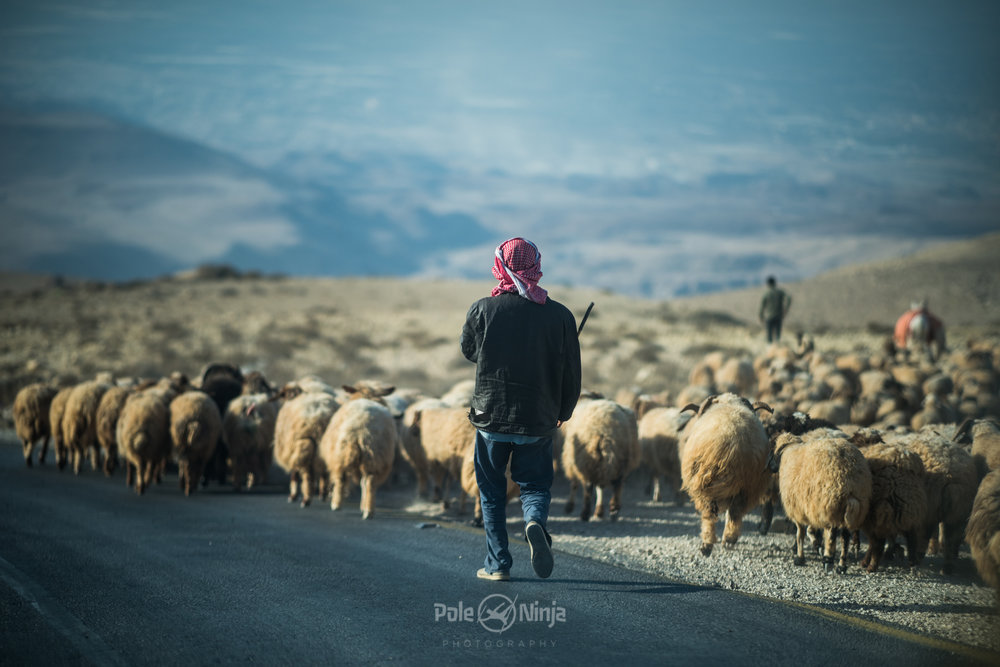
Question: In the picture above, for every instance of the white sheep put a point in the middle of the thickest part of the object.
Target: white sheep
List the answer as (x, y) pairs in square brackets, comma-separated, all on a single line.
[(600, 449), (825, 484), (298, 429), (248, 431), (358, 447), (410, 446), (659, 431), (983, 530), (195, 429), (724, 464), (31, 418)]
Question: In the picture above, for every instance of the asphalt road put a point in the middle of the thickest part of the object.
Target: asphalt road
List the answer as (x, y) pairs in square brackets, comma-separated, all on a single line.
[(90, 573)]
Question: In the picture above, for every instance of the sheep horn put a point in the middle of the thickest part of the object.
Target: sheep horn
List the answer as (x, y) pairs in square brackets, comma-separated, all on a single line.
[(690, 407), (761, 405), (962, 428), (708, 402)]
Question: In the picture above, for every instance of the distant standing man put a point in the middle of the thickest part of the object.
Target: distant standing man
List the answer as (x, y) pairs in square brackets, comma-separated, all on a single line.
[(773, 308), (527, 360)]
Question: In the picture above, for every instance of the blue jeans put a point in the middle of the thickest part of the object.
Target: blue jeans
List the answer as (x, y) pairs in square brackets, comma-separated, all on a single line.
[(531, 470)]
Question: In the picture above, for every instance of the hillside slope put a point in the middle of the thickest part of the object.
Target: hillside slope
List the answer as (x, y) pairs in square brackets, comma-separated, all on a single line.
[(961, 280)]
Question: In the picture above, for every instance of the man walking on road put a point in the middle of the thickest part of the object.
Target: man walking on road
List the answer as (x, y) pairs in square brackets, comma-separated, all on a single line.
[(773, 308), (528, 373)]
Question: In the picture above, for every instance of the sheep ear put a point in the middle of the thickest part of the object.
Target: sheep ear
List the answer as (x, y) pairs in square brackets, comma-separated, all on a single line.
[(348, 389), (690, 407), (386, 391)]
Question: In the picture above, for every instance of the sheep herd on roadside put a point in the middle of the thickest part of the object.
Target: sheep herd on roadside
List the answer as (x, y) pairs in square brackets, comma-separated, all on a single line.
[(882, 445)]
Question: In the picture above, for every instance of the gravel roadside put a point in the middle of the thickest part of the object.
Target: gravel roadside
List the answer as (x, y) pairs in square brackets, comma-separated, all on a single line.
[(662, 539)]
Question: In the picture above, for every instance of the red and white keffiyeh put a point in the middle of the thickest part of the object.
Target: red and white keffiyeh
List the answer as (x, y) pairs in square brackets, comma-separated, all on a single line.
[(518, 267)]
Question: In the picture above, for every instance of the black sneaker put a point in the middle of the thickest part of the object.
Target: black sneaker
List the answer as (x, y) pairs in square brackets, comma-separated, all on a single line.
[(541, 552)]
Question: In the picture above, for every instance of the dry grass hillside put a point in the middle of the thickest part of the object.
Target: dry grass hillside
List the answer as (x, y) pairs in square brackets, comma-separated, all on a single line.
[(406, 331)]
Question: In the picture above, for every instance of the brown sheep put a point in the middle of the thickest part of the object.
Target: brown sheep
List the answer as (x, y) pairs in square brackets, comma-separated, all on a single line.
[(445, 435), (983, 530), (950, 483), (80, 422), (358, 446), (899, 501), (600, 449), (985, 436), (724, 464), (298, 429), (195, 429), (108, 412), (32, 406), (143, 435), (56, 412), (825, 484)]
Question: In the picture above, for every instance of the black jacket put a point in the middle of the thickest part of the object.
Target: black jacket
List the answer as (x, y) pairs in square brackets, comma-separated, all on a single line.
[(527, 364)]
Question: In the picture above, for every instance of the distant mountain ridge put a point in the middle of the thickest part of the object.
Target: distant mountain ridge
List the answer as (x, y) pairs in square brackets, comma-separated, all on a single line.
[(87, 196)]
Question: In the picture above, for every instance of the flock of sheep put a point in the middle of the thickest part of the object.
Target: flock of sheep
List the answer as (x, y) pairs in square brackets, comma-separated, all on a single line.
[(886, 446)]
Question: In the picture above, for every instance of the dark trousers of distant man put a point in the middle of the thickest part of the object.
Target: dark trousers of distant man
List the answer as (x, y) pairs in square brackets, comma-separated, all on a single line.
[(773, 329), (531, 470)]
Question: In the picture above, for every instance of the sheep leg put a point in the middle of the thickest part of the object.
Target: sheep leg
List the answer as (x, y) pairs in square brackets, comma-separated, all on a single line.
[(61, 455), (598, 501), (657, 490), (816, 535), (615, 504), (77, 461), (829, 544), (800, 538), (339, 491), (876, 547), (766, 517), (307, 487), (571, 501), (26, 447), (913, 551), (44, 451), (182, 474), (588, 498), (293, 486), (709, 517), (195, 470), (95, 456), (110, 462), (734, 521), (845, 538), (368, 497)]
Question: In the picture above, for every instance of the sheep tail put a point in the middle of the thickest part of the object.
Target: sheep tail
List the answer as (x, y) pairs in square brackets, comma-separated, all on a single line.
[(608, 453), (852, 514), (192, 431)]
